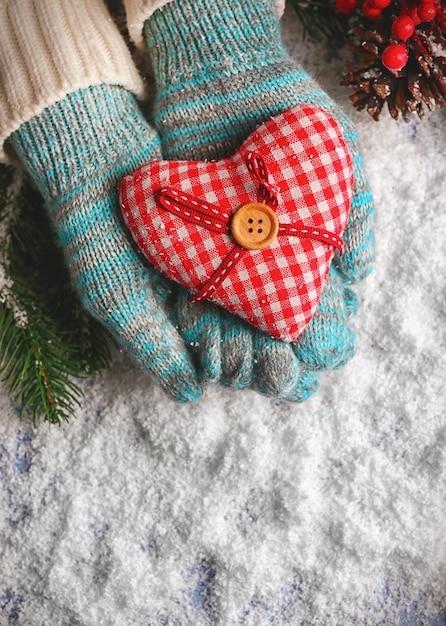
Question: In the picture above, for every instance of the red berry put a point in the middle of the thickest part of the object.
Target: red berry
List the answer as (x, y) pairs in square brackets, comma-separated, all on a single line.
[(379, 4), (370, 11), (403, 27), (346, 6), (412, 12), (394, 57), (426, 11)]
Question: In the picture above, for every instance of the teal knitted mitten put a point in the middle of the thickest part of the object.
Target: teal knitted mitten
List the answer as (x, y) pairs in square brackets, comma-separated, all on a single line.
[(77, 151), (230, 351), (221, 70)]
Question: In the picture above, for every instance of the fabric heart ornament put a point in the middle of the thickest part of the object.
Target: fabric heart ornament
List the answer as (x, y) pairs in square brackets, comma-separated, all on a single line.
[(255, 232)]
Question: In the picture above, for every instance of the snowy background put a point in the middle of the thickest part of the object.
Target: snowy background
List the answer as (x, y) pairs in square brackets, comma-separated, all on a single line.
[(246, 510)]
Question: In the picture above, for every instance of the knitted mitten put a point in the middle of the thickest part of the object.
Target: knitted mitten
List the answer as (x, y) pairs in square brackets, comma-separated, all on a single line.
[(76, 152), (234, 353), (221, 70), (78, 133)]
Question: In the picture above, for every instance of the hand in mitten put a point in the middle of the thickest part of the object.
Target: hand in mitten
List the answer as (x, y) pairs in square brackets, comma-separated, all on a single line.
[(77, 144), (221, 70)]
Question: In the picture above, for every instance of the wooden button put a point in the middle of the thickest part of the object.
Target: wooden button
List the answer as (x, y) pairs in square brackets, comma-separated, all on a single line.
[(254, 226)]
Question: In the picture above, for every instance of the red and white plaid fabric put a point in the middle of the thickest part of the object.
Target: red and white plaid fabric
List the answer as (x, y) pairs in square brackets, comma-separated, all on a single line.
[(179, 214)]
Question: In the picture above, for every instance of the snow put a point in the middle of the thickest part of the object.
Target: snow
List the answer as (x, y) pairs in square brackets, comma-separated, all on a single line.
[(240, 509)]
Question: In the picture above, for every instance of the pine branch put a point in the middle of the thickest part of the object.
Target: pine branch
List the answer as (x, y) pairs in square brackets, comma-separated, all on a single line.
[(321, 20), (35, 368), (47, 341)]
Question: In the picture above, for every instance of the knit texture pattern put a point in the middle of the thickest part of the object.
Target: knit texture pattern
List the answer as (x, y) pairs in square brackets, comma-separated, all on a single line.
[(48, 50), (221, 70), (138, 11), (77, 151)]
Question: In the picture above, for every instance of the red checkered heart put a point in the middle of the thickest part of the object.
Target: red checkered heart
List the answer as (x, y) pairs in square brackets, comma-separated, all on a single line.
[(256, 232)]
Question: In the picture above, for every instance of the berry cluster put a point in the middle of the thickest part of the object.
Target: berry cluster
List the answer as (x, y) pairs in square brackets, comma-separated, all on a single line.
[(410, 13)]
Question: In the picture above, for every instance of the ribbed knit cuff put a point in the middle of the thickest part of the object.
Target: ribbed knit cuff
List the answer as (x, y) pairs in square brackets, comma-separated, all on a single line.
[(138, 11), (97, 134), (50, 49), (189, 39)]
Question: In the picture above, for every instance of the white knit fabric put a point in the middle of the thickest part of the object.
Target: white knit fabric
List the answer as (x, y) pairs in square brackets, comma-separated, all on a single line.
[(50, 48), (139, 10)]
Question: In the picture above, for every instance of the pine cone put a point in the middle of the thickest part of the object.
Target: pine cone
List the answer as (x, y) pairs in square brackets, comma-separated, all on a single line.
[(422, 82)]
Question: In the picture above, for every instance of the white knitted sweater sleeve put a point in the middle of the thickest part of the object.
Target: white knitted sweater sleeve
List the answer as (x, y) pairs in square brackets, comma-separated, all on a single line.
[(139, 10), (49, 48)]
